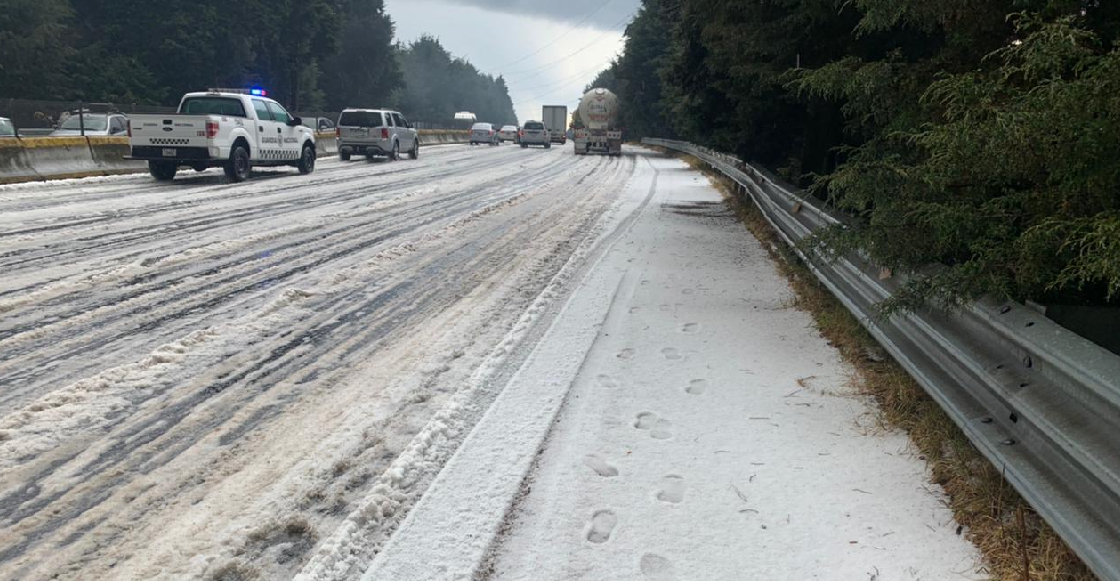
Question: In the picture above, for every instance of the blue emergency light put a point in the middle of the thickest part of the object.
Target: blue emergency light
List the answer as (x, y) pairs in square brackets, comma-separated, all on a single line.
[(258, 92)]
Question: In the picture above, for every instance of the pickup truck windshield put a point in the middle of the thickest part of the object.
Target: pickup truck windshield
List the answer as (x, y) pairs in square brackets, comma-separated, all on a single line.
[(93, 122), (360, 119), (212, 106)]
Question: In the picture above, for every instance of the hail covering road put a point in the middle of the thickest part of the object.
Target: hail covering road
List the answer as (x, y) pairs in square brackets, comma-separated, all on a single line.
[(208, 380)]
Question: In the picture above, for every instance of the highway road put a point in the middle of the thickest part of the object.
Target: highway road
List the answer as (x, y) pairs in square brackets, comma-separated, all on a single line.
[(203, 379)]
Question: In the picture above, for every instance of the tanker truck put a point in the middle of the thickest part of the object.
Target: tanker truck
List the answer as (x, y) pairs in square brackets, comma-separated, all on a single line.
[(598, 111)]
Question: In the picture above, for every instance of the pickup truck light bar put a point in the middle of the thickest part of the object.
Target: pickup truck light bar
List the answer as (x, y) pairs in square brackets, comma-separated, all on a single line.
[(255, 91)]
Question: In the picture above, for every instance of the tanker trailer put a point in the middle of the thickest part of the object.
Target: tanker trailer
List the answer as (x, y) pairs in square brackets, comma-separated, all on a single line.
[(598, 110)]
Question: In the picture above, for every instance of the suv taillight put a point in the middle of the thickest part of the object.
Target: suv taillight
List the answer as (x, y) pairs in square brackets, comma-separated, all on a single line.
[(384, 133), (338, 133), (212, 129)]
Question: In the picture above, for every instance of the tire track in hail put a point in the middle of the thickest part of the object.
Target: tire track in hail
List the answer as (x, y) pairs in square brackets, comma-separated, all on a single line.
[(221, 217), (261, 374), (247, 285)]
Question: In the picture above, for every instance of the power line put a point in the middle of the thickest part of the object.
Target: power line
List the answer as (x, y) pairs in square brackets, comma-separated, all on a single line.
[(545, 67), (557, 39), (575, 76), (552, 92)]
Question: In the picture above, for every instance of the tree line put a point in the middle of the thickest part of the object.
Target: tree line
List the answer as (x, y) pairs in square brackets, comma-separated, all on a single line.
[(313, 55), (981, 136)]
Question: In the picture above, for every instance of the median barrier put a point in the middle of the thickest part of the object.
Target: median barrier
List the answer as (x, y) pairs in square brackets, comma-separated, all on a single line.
[(326, 144), (109, 154), (47, 158), (14, 163), (435, 137)]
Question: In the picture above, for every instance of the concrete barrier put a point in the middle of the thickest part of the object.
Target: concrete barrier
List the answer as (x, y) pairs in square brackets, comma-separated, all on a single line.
[(435, 137), (50, 158), (14, 163), (109, 154), (326, 144)]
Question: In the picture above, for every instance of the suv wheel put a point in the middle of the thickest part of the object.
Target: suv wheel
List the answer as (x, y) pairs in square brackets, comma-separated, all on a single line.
[(344, 155), (415, 153), (396, 153), (163, 171), (307, 160), (238, 166)]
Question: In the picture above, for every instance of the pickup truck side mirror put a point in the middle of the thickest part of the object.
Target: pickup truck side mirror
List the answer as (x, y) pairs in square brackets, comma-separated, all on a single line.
[(295, 122)]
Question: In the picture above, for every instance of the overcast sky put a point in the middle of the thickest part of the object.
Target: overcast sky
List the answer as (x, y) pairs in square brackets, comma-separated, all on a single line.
[(548, 50)]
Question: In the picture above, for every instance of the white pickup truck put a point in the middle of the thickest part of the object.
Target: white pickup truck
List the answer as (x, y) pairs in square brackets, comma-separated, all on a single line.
[(222, 128)]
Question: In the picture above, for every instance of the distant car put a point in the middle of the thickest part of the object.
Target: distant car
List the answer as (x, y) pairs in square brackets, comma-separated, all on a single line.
[(510, 133), (7, 129), (95, 124), (373, 132), (535, 133), (484, 133), (325, 124)]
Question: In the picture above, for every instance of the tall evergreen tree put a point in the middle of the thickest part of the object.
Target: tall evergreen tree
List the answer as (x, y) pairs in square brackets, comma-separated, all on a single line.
[(365, 72), (439, 85), (33, 42)]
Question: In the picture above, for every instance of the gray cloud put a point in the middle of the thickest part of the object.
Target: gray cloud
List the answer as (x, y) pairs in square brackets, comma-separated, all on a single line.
[(565, 11)]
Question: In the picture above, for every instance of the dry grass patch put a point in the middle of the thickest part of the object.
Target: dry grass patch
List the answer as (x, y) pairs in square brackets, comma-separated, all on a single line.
[(1016, 543)]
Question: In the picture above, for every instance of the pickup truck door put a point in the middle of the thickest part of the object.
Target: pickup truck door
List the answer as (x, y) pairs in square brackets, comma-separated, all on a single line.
[(288, 135), (265, 129)]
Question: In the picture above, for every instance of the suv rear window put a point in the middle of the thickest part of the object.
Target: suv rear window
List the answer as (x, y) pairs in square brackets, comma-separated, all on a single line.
[(360, 119), (212, 106), (534, 126)]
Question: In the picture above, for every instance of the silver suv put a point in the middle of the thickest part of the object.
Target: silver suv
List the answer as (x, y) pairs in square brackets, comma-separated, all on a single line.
[(375, 132), (535, 133)]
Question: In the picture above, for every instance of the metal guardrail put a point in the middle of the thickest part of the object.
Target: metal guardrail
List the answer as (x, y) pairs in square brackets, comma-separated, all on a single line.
[(1039, 401)]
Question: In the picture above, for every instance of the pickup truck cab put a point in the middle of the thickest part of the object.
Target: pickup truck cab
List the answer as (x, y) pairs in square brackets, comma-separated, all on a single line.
[(223, 128), (375, 132)]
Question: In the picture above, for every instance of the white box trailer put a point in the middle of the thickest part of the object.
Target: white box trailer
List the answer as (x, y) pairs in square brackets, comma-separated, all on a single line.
[(555, 118)]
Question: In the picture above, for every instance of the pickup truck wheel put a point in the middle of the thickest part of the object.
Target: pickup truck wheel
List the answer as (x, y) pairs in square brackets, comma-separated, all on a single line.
[(163, 171), (238, 166), (307, 160), (548, 146), (344, 156), (415, 153)]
